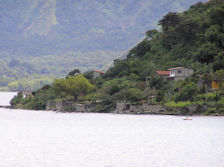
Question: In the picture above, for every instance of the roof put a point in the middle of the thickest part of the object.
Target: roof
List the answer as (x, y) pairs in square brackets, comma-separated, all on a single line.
[(101, 72), (163, 73)]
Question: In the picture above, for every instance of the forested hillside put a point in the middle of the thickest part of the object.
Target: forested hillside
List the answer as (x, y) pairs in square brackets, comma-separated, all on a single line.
[(48, 38), (192, 39)]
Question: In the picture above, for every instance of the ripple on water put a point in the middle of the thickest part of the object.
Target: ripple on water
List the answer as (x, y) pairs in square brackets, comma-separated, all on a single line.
[(38, 138)]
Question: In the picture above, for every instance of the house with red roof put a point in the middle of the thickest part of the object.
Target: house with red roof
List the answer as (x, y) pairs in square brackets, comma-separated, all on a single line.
[(97, 73), (175, 74), (180, 73)]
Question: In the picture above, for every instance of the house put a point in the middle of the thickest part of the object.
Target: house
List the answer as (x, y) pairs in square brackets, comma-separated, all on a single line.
[(174, 74), (27, 94), (217, 84), (163, 74), (179, 73), (97, 73)]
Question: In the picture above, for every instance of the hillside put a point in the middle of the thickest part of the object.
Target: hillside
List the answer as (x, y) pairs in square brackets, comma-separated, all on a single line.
[(191, 41), (48, 38)]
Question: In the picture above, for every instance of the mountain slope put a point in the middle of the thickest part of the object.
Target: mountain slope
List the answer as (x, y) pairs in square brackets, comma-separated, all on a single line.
[(67, 34)]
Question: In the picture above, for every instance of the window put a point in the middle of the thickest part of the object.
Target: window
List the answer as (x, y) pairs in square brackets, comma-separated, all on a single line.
[(179, 71)]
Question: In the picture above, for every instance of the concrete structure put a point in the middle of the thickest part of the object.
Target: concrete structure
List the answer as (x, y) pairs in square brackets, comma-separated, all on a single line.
[(174, 74), (97, 73), (217, 84), (179, 73), (144, 108), (27, 94), (69, 105)]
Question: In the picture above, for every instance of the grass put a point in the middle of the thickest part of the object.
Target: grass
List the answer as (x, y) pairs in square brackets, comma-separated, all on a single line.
[(178, 104)]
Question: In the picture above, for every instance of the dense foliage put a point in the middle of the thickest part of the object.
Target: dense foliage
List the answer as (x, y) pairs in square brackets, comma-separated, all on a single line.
[(42, 38), (72, 86), (192, 39)]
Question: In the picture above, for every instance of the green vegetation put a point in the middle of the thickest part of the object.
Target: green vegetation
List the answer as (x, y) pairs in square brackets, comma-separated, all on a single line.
[(33, 72), (72, 86), (69, 88), (38, 41), (179, 104), (190, 39)]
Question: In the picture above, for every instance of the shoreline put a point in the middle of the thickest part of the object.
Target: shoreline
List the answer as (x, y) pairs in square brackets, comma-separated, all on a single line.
[(142, 113)]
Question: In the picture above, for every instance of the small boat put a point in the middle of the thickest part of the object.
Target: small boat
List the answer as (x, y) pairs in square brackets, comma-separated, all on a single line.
[(186, 119)]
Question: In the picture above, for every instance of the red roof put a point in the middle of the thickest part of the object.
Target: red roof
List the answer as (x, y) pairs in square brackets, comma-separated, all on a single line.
[(101, 72), (163, 73)]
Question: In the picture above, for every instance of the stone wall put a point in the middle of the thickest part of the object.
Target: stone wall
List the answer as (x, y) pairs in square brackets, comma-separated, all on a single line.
[(126, 108), (188, 110), (69, 105)]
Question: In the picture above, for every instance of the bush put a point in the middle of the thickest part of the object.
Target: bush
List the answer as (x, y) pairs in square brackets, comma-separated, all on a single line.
[(179, 104), (211, 111), (160, 96), (188, 92), (211, 96), (134, 95), (17, 99)]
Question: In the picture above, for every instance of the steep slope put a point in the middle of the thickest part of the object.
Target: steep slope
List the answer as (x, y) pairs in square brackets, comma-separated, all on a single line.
[(192, 39), (67, 34)]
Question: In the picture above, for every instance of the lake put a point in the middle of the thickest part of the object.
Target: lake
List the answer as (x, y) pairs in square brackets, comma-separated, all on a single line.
[(5, 98), (50, 139)]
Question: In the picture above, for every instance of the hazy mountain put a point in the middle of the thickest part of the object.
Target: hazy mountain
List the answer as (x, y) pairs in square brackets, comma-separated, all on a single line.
[(76, 32)]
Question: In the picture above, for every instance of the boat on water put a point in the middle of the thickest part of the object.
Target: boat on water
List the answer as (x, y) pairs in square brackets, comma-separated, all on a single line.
[(187, 118)]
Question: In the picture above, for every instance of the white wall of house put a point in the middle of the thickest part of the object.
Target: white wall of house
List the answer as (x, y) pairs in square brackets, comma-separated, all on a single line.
[(180, 73)]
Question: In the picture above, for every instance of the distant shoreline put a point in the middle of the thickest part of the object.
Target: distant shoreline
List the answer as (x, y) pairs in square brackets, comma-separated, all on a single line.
[(146, 113)]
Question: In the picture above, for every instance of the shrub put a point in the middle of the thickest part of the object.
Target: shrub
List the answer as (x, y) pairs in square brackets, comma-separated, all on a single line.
[(211, 110), (134, 95), (179, 104), (17, 99), (188, 92)]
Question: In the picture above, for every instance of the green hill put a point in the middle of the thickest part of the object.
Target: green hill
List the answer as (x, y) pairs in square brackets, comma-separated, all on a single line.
[(192, 39), (48, 38)]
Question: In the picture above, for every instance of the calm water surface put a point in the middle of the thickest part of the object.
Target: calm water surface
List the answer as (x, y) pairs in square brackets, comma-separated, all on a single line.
[(5, 98), (49, 139)]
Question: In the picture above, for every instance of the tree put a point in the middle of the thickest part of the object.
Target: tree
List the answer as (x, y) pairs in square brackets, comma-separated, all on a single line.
[(142, 48), (152, 33), (188, 92), (134, 95), (88, 75), (157, 82), (218, 62), (73, 73), (170, 20), (17, 99), (72, 86), (206, 53), (186, 30), (215, 35), (160, 96), (217, 17)]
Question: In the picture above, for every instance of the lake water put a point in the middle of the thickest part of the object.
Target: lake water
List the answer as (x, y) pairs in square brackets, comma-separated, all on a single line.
[(5, 98), (49, 139)]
